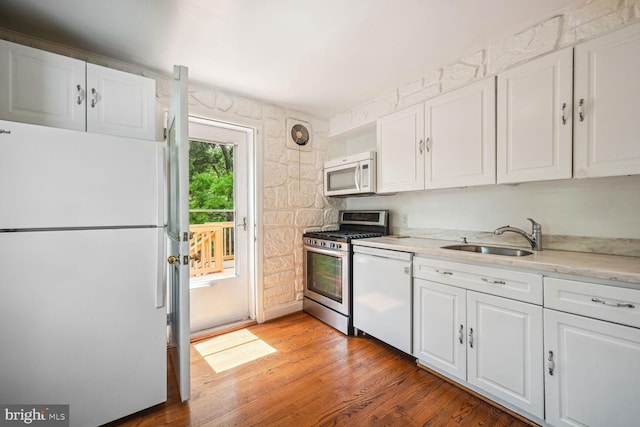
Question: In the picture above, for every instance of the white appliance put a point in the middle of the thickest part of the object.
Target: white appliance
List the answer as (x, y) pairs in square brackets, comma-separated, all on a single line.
[(82, 282), (382, 295), (351, 175)]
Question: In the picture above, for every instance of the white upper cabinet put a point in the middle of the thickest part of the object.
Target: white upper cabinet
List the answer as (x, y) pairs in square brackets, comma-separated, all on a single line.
[(401, 150), (607, 93), (534, 126), (449, 141), (460, 130), (41, 87), (47, 89), (120, 103)]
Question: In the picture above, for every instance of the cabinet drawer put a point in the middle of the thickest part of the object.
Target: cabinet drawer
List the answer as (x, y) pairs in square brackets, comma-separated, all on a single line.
[(620, 305), (516, 285)]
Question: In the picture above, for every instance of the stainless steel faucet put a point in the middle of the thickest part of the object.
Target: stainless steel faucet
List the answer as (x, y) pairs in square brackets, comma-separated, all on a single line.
[(534, 239)]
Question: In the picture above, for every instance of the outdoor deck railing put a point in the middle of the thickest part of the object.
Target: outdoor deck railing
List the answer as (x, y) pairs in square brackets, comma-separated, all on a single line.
[(213, 243)]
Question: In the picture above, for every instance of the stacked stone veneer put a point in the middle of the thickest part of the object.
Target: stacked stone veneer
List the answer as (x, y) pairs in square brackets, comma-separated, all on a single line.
[(589, 19)]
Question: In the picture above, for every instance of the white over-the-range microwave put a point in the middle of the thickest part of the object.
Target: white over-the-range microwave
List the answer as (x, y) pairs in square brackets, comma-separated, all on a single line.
[(350, 175)]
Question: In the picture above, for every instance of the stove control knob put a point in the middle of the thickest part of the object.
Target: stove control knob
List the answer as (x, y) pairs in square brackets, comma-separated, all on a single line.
[(338, 245)]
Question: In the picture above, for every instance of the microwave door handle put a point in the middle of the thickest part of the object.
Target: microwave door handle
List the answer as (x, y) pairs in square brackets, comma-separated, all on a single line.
[(356, 176)]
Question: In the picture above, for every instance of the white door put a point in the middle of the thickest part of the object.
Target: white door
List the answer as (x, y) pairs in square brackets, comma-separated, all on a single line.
[(534, 120), (460, 131), (504, 355), (607, 89), (594, 371), (120, 103), (178, 229), (221, 232), (401, 150), (40, 87), (439, 316)]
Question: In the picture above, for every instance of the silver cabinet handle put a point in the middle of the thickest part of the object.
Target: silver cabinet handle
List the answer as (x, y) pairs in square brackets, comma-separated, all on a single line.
[(420, 143), (564, 109), (495, 282), (471, 337), (80, 94), (428, 145), (581, 109), (444, 272), (94, 97), (551, 366), (461, 334), (613, 304)]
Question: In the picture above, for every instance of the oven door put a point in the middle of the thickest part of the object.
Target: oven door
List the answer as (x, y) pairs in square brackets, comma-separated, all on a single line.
[(326, 278)]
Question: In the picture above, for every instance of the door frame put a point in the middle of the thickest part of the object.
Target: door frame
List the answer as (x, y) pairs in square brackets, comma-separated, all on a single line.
[(255, 296)]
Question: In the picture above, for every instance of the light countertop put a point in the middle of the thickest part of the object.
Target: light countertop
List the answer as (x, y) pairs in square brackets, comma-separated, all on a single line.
[(624, 269)]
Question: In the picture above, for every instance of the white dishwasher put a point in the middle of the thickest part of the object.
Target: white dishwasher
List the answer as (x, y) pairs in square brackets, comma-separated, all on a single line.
[(382, 295)]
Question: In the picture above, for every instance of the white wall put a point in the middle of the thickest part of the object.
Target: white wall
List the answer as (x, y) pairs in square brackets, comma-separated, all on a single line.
[(600, 207)]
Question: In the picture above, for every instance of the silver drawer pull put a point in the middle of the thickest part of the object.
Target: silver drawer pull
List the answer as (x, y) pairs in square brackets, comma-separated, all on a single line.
[(444, 272), (461, 334), (495, 282), (613, 304)]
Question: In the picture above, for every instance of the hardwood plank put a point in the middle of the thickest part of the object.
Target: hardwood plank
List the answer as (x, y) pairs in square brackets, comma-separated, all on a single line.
[(319, 377)]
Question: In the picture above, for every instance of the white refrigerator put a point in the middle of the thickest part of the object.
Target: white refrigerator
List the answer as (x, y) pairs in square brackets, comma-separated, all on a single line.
[(82, 272)]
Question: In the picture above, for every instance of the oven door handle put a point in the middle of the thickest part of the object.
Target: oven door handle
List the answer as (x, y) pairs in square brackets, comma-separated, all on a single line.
[(330, 252)]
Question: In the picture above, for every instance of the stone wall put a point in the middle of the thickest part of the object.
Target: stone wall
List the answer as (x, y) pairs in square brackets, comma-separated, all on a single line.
[(589, 19)]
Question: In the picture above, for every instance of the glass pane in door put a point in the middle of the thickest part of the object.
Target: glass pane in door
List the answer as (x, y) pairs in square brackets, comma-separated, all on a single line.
[(211, 208)]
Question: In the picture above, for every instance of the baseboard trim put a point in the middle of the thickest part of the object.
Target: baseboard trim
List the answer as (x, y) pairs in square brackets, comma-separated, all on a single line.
[(282, 310)]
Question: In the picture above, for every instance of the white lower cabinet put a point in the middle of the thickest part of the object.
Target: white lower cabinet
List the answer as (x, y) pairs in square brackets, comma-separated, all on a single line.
[(593, 371), (504, 355), (439, 319), (492, 343), (593, 365), (573, 362)]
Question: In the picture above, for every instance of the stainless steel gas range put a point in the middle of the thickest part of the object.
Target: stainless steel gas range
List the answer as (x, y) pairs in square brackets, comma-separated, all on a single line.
[(327, 266)]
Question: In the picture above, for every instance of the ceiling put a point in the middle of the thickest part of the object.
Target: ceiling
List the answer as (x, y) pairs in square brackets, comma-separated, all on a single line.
[(318, 56)]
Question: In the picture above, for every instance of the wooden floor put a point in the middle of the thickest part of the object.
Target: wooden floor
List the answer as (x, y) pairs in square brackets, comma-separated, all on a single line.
[(319, 377)]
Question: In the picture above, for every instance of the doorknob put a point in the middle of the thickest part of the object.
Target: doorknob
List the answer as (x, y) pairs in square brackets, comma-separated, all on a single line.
[(173, 259), (195, 257)]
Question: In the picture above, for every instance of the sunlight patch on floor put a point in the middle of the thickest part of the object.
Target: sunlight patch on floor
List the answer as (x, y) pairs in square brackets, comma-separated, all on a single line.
[(233, 349)]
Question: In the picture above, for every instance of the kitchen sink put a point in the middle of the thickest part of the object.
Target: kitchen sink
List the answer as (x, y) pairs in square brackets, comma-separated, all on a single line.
[(493, 250)]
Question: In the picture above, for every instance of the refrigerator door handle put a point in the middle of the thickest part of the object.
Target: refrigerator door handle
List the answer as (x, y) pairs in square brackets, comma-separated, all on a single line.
[(161, 282)]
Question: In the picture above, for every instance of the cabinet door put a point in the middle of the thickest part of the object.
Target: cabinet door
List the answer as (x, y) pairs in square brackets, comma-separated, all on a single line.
[(401, 150), (607, 90), (41, 88), (504, 355), (534, 120), (120, 103), (461, 137), (439, 318), (596, 371)]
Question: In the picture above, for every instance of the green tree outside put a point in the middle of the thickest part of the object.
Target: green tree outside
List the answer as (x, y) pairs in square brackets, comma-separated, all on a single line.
[(210, 181)]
